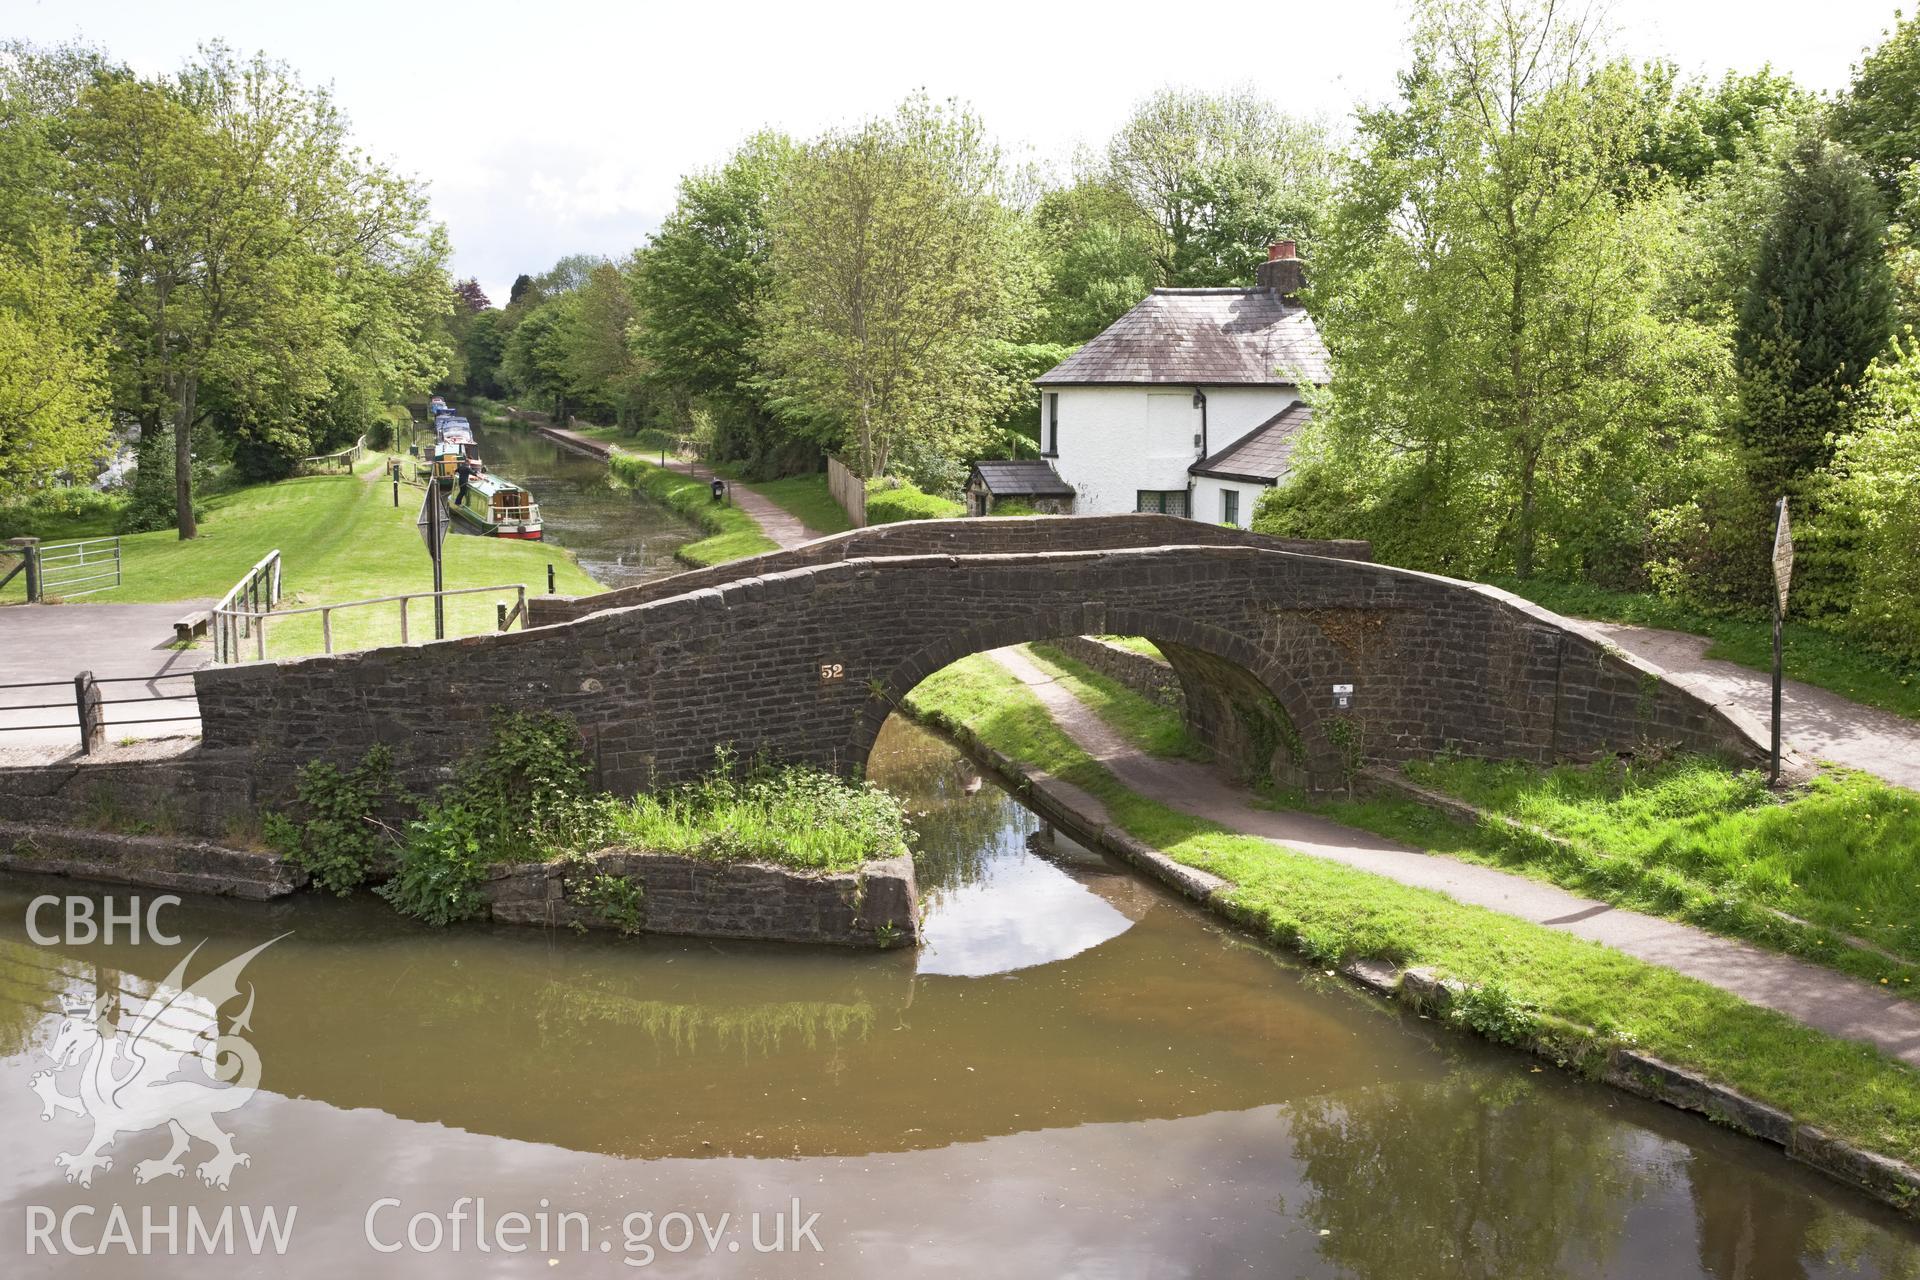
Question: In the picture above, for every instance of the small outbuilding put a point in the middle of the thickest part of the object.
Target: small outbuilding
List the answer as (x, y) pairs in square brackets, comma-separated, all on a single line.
[(1032, 484)]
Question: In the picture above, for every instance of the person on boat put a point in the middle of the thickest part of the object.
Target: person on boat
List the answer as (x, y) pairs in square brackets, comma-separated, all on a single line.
[(462, 473)]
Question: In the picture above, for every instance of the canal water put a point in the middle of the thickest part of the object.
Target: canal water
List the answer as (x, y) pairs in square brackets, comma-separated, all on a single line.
[(1077, 1075), (618, 537)]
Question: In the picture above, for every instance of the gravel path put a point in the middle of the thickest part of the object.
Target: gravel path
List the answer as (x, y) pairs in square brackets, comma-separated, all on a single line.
[(1818, 722), (1820, 998)]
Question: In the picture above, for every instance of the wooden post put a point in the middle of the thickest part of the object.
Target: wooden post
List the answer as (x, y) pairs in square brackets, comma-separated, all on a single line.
[(500, 616), (86, 699), (29, 549), (326, 631), (549, 577), (403, 619)]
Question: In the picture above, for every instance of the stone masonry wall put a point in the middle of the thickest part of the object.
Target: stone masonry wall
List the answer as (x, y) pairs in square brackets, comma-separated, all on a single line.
[(1146, 675), (877, 906), (806, 665)]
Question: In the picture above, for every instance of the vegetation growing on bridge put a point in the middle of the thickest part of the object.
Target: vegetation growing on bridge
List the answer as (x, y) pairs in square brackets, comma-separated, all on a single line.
[(1550, 979)]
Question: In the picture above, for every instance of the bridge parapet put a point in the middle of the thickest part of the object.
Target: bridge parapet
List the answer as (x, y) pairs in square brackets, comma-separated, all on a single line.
[(1000, 535)]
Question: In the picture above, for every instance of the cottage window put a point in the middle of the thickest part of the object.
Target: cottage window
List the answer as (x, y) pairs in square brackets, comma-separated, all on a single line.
[(1050, 447), (1230, 507), (1165, 502)]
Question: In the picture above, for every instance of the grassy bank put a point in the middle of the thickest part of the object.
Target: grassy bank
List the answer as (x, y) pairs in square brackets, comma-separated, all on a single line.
[(1810, 655), (1684, 838), (732, 533), (1334, 913), (340, 538)]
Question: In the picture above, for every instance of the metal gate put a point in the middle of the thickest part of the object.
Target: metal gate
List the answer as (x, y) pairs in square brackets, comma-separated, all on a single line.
[(89, 564)]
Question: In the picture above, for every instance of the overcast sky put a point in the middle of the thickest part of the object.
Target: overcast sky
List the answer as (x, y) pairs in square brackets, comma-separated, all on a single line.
[(548, 127)]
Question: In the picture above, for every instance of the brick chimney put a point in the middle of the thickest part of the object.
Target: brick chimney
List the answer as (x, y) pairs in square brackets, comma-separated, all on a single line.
[(1282, 272)]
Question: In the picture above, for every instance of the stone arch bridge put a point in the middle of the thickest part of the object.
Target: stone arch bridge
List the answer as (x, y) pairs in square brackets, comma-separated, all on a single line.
[(802, 654)]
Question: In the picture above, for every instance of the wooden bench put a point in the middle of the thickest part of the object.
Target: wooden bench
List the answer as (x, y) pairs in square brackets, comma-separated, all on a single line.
[(192, 625)]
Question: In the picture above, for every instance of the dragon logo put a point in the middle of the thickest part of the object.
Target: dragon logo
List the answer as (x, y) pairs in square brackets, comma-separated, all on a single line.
[(135, 1073)]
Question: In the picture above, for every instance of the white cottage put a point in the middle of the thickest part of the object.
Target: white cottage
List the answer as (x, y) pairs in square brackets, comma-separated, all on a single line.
[(1190, 403)]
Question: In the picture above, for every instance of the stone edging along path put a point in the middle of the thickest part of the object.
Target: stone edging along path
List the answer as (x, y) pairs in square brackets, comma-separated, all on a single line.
[(1890, 1181)]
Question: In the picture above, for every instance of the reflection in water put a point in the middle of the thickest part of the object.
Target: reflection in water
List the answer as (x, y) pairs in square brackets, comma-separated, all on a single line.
[(1169, 1099)]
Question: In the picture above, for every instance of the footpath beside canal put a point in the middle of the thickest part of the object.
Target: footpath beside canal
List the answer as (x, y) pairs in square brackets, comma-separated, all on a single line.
[(781, 526)]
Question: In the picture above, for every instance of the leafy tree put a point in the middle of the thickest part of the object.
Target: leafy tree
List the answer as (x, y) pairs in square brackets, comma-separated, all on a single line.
[(1818, 309), (1879, 118), (699, 285), (267, 275), (894, 262), (53, 383), (1873, 498), (471, 295), (1505, 393), (598, 356), (521, 283), (1220, 176), (1099, 250), (484, 345), (1692, 127), (534, 362)]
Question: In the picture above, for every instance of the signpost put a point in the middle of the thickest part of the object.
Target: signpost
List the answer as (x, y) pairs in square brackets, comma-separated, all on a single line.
[(433, 531), (1782, 577)]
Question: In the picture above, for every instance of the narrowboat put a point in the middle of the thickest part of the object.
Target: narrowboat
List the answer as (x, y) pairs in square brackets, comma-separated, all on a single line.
[(446, 455), (500, 508)]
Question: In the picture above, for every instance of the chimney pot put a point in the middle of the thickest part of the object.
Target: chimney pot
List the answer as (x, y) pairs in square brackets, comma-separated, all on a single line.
[(1280, 249)]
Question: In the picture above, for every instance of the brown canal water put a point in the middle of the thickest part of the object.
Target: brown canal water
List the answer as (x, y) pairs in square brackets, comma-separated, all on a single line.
[(1077, 1075), (619, 537)]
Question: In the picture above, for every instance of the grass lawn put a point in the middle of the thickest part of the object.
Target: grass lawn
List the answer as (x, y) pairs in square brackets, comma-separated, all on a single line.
[(1816, 657), (1335, 913), (732, 533), (340, 538), (1685, 838), (803, 497)]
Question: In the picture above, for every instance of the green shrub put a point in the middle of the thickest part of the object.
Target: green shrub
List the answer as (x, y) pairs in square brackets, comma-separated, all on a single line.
[(339, 840), (888, 505), (524, 798)]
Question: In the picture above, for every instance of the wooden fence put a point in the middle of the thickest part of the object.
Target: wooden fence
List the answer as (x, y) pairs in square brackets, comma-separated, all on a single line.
[(849, 490)]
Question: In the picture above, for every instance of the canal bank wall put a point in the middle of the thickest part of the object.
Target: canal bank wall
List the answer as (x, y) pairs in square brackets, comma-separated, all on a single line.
[(1582, 1050), (876, 907)]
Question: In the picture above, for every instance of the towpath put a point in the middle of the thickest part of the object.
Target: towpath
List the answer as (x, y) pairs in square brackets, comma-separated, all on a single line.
[(1820, 998)]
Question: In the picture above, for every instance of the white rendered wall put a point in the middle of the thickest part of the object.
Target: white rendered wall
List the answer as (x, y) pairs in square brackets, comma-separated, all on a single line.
[(1115, 441), (1206, 499)]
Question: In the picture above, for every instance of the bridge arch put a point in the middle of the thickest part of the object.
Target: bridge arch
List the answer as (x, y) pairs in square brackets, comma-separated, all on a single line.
[(1249, 709)]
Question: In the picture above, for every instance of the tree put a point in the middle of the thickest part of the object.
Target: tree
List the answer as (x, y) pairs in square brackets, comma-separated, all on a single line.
[(471, 295), (1099, 249), (1504, 391), (1220, 176), (521, 283), (1879, 118), (266, 273), (53, 385), (1878, 476), (1693, 127), (1817, 310), (598, 355), (484, 345), (894, 261), (699, 286)]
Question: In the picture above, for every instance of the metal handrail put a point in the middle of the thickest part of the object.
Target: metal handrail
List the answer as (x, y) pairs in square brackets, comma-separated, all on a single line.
[(326, 612)]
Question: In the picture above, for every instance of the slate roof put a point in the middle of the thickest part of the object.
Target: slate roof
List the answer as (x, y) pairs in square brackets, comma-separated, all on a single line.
[(1204, 337), (1029, 479), (1263, 454)]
